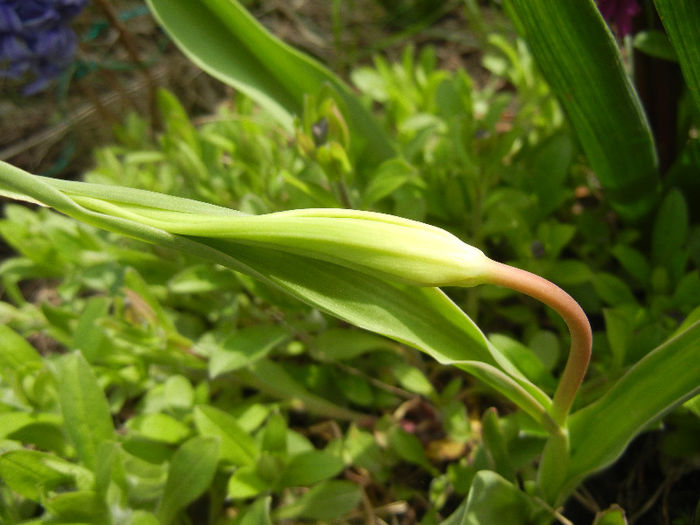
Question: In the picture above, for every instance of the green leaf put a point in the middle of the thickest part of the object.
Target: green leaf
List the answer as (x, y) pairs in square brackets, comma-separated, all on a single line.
[(579, 58), (89, 336), (178, 393), (258, 513), (388, 177), (202, 278), (663, 379), (86, 415), (670, 227), (412, 379), (326, 501), (611, 516), (16, 355), (29, 472), (493, 499), (633, 262), (613, 290), (246, 482), (409, 448), (245, 346), (275, 434), (309, 468), (192, 469), (222, 38), (79, 506), (618, 331), (158, 427), (681, 19), (11, 422), (237, 446), (656, 44), (496, 445), (271, 378), (341, 344)]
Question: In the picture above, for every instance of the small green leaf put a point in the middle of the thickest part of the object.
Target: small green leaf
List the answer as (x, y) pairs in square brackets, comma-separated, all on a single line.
[(656, 44), (237, 446), (670, 227), (85, 409), (493, 499), (309, 468), (618, 331), (192, 469), (272, 379), (202, 278), (88, 337), (326, 501), (612, 516), (17, 355), (412, 379), (409, 448), (343, 343), (388, 177), (275, 434), (495, 443), (244, 347), (633, 262), (141, 517), (545, 345), (11, 422), (363, 449), (158, 427), (178, 392), (613, 290), (78, 506), (28, 472), (246, 482), (258, 513)]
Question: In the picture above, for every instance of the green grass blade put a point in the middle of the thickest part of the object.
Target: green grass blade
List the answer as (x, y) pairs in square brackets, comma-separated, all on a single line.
[(681, 18), (222, 38), (666, 377), (579, 58)]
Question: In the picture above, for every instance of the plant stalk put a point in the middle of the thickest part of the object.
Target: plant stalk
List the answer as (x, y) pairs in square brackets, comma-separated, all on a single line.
[(580, 329)]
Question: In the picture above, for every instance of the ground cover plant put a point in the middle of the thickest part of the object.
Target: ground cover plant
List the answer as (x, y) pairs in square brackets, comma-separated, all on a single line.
[(144, 382)]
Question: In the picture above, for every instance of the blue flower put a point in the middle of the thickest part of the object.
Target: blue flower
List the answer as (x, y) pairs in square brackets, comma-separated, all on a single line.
[(36, 39)]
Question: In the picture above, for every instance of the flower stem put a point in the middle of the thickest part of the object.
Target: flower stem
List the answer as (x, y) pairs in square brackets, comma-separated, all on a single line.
[(575, 319)]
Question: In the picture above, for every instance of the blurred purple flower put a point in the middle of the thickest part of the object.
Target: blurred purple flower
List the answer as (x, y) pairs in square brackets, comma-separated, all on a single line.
[(620, 13), (36, 38)]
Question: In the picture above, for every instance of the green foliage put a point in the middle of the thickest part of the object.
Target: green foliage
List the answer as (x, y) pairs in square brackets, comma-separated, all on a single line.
[(581, 62), (167, 388)]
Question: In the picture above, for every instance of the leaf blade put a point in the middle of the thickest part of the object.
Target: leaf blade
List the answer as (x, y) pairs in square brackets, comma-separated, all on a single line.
[(681, 19), (664, 378), (580, 59)]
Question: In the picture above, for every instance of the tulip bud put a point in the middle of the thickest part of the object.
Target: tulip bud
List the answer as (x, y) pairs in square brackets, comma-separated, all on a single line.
[(389, 246)]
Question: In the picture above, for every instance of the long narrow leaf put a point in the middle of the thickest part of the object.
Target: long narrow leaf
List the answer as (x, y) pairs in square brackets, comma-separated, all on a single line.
[(662, 380), (580, 59), (222, 38), (681, 18)]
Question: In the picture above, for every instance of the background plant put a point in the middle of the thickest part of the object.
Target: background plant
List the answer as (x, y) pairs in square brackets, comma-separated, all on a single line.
[(495, 181)]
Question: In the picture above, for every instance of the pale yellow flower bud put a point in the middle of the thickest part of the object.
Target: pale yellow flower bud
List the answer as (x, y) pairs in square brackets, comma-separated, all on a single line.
[(395, 248)]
